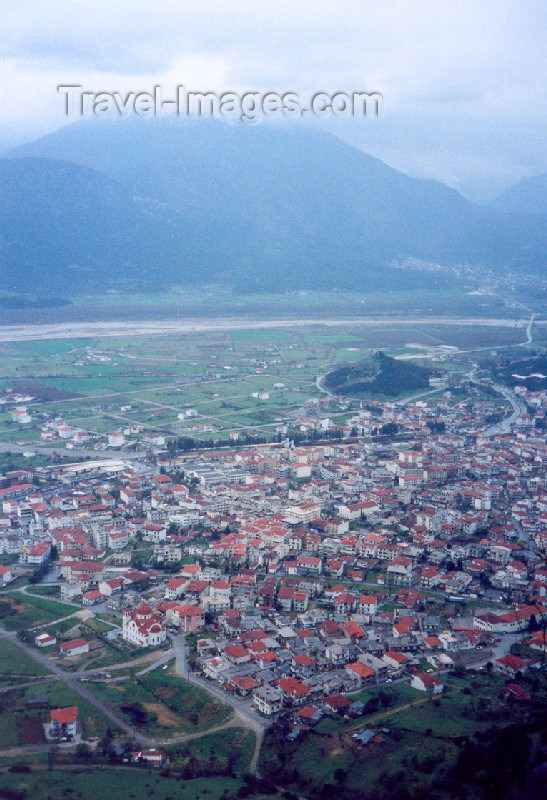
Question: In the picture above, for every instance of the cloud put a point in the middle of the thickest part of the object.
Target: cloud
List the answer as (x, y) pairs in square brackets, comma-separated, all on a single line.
[(460, 80)]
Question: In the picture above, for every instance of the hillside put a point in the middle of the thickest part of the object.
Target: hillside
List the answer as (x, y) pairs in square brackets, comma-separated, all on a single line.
[(528, 196), (384, 375), (263, 207)]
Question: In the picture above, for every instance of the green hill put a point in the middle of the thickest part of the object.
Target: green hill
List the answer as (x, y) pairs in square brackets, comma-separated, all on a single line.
[(384, 375)]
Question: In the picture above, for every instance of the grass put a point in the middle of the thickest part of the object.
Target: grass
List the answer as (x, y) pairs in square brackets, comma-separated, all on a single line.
[(419, 741), (21, 612), (15, 661), (45, 591), (235, 746), (130, 784), (173, 705), (61, 609)]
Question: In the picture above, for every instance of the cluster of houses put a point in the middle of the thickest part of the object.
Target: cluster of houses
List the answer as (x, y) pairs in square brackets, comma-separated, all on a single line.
[(323, 568)]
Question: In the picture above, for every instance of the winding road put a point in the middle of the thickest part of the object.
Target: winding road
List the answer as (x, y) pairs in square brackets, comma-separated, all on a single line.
[(243, 716)]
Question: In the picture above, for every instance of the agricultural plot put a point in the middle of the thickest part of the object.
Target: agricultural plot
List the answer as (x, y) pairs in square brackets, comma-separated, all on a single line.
[(163, 704), (14, 662), (23, 612), (100, 385)]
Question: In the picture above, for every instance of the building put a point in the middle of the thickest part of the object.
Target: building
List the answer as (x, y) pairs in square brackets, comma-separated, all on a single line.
[(6, 575), (143, 627), (75, 647), (63, 723), (44, 640), (427, 683), (268, 699), (152, 758)]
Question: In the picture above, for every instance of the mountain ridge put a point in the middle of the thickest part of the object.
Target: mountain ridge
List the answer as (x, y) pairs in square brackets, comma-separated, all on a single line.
[(268, 207)]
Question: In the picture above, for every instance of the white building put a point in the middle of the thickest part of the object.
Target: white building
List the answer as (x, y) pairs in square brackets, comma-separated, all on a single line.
[(143, 627)]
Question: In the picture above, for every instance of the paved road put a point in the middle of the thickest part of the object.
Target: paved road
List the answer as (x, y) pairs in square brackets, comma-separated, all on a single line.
[(501, 649), (518, 406)]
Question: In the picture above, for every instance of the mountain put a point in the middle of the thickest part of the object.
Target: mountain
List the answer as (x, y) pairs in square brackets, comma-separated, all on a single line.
[(67, 227), (528, 196), (259, 207)]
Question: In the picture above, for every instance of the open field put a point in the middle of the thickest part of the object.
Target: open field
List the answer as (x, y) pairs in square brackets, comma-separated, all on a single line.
[(232, 748), (159, 703), (122, 376), (131, 784), (21, 612), (15, 662)]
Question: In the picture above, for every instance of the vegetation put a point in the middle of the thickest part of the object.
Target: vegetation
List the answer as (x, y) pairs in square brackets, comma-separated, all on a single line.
[(383, 375), (14, 661)]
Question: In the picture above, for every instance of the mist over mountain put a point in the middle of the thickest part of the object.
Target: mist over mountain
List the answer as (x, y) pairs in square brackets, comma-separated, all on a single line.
[(528, 196), (141, 202)]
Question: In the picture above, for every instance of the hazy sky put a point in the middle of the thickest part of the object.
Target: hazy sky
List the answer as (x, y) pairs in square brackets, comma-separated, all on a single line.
[(463, 82)]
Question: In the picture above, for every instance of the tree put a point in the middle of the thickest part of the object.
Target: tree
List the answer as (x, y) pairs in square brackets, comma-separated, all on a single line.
[(389, 429)]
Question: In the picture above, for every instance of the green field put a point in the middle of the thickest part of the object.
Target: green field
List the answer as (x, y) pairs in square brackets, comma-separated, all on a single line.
[(418, 740), (15, 661), (22, 612), (231, 749), (170, 704), (129, 784)]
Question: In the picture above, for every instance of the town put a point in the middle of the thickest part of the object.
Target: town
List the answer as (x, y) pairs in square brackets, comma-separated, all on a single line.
[(390, 551)]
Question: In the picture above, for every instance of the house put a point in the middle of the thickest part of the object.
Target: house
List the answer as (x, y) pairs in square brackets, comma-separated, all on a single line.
[(294, 691), (143, 627), (237, 654), (364, 674), (309, 715), (63, 722), (152, 758), (92, 598), (268, 699), (427, 683), (74, 647), (44, 640), (6, 575), (514, 691), (511, 665), (368, 604), (337, 703), (36, 555), (189, 618)]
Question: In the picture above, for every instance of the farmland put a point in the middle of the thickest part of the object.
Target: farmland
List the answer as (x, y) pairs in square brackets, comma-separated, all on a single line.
[(15, 662), (239, 382), (159, 703), (22, 612)]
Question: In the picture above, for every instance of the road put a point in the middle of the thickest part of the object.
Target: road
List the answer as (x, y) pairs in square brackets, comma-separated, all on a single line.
[(529, 330), (247, 715), (518, 406), (95, 455), (244, 715), (501, 649)]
